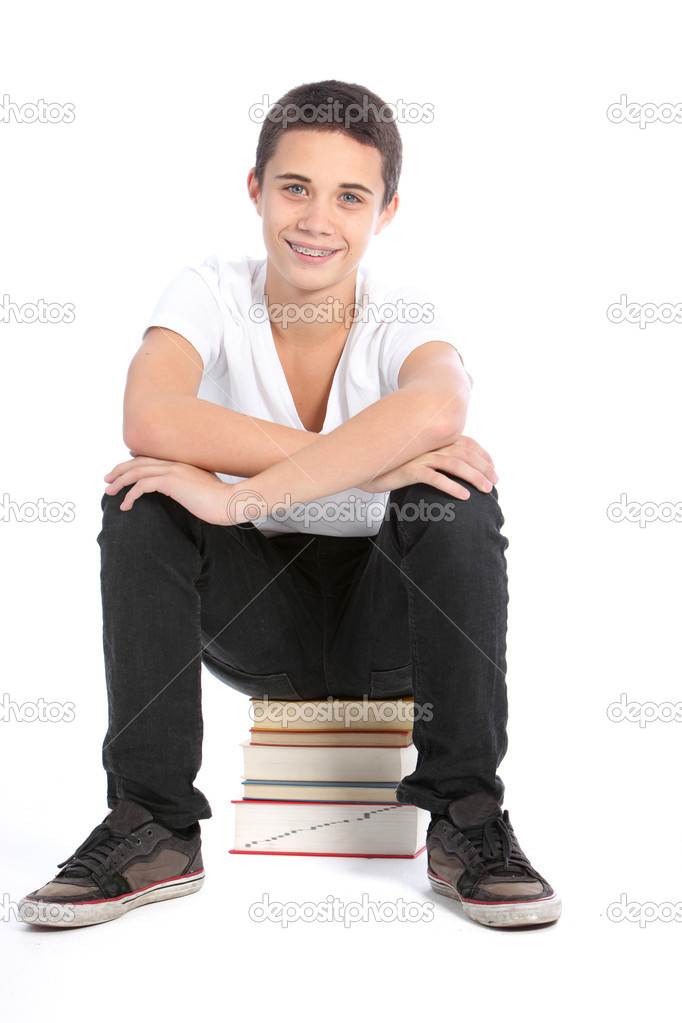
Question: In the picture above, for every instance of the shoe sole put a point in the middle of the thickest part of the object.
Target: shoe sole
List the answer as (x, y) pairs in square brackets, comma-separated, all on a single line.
[(83, 914), (501, 914)]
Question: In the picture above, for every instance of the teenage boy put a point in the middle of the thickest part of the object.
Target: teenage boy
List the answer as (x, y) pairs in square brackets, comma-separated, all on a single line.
[(262, 385)]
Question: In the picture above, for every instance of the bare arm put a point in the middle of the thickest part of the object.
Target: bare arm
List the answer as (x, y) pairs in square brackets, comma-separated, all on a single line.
[(163, 418), (404, 437), (427, 411)]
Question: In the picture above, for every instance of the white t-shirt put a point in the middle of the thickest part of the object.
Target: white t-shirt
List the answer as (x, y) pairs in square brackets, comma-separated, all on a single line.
[(219, 307)]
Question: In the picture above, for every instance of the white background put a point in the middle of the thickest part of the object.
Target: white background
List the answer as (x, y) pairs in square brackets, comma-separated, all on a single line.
[(528, 212)]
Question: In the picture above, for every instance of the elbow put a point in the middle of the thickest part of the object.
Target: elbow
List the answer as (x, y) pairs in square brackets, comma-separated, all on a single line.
[(150, 427), (139, 434), (133, 437), (450, 421), (149, 422)]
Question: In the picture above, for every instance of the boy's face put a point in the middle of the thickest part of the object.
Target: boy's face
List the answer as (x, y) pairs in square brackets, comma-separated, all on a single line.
[(322, 191)]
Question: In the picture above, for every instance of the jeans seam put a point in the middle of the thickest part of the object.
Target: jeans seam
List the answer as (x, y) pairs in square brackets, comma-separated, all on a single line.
[(416, 667)]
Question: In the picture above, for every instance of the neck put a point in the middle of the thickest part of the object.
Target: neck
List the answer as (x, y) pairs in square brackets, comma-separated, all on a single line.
[(309, 319)]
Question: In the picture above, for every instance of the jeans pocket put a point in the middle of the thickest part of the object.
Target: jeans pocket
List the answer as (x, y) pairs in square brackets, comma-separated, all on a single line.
[(391, 684), (276, 686)]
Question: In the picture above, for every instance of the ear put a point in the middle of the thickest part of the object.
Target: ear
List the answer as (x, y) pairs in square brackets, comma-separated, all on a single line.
[(254, 189), (388, 214)]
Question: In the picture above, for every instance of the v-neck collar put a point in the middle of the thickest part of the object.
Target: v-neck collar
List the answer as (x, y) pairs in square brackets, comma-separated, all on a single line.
[(269, 351)]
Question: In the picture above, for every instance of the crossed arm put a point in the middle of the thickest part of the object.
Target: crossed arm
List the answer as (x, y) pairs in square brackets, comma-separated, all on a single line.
[(181, 441)]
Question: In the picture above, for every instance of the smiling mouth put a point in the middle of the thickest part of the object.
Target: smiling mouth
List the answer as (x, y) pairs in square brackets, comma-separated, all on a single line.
[(305, 251)]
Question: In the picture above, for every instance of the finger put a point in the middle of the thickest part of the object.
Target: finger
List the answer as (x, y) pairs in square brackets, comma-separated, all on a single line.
[(476, 477), (469, 451), (134, 474), (448, 486), (144, 460), (121, 467), (473, 469), (477, 457), (473, 444), (147, 485), (465, 470)]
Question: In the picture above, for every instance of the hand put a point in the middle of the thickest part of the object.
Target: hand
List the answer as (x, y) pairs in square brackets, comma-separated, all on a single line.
[(200, 492), (464, 458)]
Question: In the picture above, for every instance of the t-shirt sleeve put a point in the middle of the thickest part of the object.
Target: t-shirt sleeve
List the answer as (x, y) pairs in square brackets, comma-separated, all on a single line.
[(401, 338), (189, 307)]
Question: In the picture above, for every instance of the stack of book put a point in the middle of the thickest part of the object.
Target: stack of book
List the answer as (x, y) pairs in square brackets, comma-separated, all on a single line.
[(320, 779)]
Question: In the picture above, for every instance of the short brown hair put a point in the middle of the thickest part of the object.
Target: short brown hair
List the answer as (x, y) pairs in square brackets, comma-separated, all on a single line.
[(336, 106)]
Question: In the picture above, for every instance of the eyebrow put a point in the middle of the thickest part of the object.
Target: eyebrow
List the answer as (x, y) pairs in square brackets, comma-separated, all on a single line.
[(343, 184)]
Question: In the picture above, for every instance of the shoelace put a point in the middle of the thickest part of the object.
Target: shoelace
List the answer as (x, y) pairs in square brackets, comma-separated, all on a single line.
[(94, 852), (496, 844)]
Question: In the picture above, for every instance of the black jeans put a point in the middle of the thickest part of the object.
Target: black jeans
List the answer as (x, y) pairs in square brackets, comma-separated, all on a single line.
[(419, 608)]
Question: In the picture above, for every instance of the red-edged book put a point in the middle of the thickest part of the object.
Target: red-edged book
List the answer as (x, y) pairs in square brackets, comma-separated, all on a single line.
[(328, 737), (278, 827)]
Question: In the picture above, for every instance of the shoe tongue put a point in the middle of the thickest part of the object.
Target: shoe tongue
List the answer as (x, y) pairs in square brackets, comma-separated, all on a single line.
[(126, 817), (472, 810)]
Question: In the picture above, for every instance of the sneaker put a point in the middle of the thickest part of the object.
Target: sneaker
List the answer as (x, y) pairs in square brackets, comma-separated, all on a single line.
[(127, 861), (474, 856)]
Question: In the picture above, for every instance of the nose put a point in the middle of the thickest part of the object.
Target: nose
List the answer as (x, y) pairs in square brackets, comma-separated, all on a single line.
[(316, 218)]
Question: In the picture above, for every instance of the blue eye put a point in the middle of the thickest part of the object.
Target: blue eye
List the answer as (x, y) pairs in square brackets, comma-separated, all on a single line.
[(353, 197), (295, 186)]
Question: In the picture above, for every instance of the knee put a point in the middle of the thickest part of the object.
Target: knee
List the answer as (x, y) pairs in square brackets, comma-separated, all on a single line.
[(150, 515), (145, 506), (426, 505)]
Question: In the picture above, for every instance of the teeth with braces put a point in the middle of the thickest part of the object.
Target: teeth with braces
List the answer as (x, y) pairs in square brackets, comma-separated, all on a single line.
[(311, 252)]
